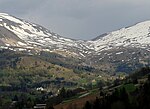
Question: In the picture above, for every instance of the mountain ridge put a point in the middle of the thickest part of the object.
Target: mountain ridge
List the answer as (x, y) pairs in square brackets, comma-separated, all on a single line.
[(110, 49), (35, 35)]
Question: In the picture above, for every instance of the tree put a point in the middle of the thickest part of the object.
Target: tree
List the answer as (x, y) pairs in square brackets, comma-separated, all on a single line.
[(96, 104), (88, 105), (30, 103), (148, 77), (116, 82), (63, 93), (15, 98), (124, 96), (102, 93), (51, 107)]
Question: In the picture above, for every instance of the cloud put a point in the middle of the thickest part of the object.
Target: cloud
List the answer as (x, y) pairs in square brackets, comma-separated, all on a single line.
[(81, 19), (20, 6)]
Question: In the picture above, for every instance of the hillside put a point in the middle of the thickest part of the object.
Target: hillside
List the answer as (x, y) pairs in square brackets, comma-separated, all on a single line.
[(120, 51), (47, 70), (40, 66), (127, 94)]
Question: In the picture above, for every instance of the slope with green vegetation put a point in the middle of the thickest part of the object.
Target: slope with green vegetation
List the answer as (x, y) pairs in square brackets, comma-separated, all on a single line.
[(41, 76), (128, 93)]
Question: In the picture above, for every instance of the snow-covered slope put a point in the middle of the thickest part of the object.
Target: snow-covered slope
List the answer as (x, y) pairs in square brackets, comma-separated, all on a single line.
[(119, 51), (15, 32), (134, 36), (123, 50), (29, 35)]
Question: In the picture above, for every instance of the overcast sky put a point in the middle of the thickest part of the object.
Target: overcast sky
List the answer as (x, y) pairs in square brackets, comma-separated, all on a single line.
[(79, 19)]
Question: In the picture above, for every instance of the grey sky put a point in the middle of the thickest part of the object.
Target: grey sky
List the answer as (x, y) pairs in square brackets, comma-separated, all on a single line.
[(79, 19)]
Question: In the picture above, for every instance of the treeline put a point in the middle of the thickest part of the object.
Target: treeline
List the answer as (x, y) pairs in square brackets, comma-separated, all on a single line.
[(25, 100), (63, 95), (140, 73), (71, 63), (120, 98)]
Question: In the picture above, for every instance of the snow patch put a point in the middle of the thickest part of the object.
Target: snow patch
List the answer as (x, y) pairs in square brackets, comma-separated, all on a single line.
[(119, 53), (23, 44)]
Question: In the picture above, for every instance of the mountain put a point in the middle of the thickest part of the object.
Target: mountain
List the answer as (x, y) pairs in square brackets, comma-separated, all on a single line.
[(119, 51), (123, 50), (16, 32), (36, 63), (135, 36)]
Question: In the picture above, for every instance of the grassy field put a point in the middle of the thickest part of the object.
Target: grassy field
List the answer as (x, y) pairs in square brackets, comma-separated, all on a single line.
[(129, 87)]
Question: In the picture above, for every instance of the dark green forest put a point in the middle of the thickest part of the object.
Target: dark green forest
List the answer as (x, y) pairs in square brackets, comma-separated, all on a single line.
[(121, 98)]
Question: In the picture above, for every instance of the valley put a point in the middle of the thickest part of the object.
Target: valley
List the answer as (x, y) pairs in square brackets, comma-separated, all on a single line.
[(38, 66)]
